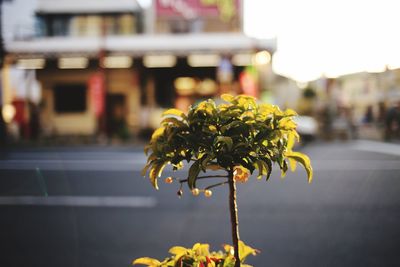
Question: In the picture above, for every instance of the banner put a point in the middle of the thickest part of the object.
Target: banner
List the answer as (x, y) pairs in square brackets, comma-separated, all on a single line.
[(97, 93)]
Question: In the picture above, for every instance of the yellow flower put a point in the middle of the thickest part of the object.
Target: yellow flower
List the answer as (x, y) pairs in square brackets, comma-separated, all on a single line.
[(240, 174)]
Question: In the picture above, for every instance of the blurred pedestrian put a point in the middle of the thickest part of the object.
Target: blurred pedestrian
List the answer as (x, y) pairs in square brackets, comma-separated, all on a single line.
[(3, 133), (369, 115), (392, 122)]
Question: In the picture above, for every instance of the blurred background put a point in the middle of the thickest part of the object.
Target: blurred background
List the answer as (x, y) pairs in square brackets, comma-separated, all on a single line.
[(84, 83), (103, 71)]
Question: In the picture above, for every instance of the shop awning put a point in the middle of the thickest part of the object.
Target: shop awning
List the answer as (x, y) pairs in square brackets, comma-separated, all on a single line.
[(86, 6), (139, 45)]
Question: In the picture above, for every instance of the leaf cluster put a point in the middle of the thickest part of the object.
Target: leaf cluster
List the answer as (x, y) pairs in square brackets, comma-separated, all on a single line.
[(200, 256), (237, 132)]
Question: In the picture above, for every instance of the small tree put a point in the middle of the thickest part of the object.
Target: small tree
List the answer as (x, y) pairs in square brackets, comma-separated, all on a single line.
[(237, 137)]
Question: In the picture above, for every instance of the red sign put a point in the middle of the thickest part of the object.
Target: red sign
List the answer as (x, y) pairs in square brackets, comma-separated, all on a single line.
[(97, 93), (197, 8), (248, 81)]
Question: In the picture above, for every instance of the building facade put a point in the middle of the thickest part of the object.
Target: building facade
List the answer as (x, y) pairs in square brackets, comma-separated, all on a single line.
[(112, 66)]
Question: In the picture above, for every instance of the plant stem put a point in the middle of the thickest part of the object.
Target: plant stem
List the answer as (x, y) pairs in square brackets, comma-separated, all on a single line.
[(215, 185), (234, 217), (204, 177)]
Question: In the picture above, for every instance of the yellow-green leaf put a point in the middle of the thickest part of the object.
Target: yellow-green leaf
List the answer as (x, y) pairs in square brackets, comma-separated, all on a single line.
[(201, 249), (174, 112), (262, 168), (287, 123), (147, 261), (245, 251), (292, 164), (227, 97), (173, 121), (144, 170), (303, 160), (290, 112), (155, 172), (157, 133), (212, 128), (177, 250)]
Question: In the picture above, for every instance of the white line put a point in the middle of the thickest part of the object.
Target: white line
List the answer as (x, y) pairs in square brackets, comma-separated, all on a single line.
[(100, 165), (80, 201)]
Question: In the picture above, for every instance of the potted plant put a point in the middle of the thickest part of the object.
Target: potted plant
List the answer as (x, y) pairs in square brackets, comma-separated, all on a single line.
[(237, 138)]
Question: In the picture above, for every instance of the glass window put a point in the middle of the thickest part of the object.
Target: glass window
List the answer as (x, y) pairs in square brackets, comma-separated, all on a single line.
[(127, 24), (94, 25), (111, 25), (69, 98), (60, 25), (78, 26)]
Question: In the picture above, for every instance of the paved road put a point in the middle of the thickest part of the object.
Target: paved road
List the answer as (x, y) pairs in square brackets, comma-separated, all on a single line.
[(90, 207)]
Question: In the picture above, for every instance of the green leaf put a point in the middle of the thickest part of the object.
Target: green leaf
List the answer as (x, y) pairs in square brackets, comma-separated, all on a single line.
[(230, 126), (147, 261), (262, 168), (269, 170), (194, 171), (284, 168), (144, 170), (173, 121), (146, 149), (204, 161), (303, 160), (226, 140)]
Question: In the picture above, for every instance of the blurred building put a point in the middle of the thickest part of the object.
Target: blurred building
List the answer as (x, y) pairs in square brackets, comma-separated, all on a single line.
[(110, 66)]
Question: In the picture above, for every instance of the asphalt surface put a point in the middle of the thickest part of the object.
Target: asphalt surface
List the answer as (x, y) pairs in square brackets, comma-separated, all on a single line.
[(90, 207)]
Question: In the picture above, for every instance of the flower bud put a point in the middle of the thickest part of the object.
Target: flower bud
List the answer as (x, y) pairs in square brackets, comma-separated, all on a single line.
[(195, 191), (179, 193), (169, 180), (240, 174), (208, 193)]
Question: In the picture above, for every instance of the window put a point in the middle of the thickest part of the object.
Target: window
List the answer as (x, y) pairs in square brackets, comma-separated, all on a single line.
[(78, 26), (60, 25), (127, 24), (94, 25), (69, 98)]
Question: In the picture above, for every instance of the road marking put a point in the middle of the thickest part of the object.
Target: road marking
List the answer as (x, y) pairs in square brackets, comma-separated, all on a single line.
[(79, 165), (80, 201), (379, 147)]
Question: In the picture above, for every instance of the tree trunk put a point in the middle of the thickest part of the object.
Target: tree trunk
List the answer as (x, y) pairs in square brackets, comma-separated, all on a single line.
[(234, 217)]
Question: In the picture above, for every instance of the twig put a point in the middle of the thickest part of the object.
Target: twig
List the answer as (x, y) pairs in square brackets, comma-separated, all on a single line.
[(215, 185), (204, 177)]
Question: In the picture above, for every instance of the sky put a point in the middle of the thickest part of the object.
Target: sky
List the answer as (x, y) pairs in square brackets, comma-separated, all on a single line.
[(328, 38)]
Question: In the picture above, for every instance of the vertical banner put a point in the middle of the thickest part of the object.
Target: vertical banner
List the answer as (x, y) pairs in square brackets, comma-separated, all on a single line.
[(97, 93), (249, 81)]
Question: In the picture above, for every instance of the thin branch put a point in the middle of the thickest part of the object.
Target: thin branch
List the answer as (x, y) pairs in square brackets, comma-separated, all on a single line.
[(215, 185), (204, 177), (213, 176)]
